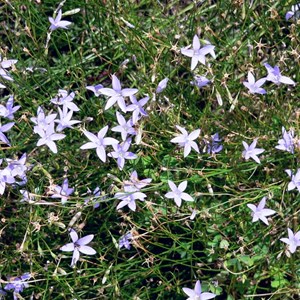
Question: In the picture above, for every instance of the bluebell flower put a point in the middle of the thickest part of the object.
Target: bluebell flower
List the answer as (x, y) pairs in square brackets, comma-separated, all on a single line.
[(200, 81), (58, 23), (124, 240), (213, 145), (252, 151), (117, 94), (196, 293), (186, 140), (274, 75), (120, 153), (197, 53), (17, 284), (63, 192), (9, 109), (253, 86), (99, 142), (287, 141), (78, 245)]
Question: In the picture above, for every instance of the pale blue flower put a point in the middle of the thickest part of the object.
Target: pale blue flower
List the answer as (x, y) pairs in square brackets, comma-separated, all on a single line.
[(65, 99), (95, 89), (162, 85), (274, 75), (121, 153), (293, 241), (99, 142), (253, 86), (9, 109), (58, 23), (196, 293), (287, 141), (117, 94), (294, 12), (63, 192), (295, 180), (124, 127), (200, 81), (18, 284), (129, 196), (137, 108), (5, 128), (48, 136), (259, 212), (251, 151), (124, 240), (197, 53), (78, 245), (186, 140), (177, 193), (64, 120)]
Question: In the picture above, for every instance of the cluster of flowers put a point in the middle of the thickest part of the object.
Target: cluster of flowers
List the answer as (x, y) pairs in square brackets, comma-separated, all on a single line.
[(15, 171), (274, 75)]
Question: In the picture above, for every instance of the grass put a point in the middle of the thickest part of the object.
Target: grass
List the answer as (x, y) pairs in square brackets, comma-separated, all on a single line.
[(232, 256)]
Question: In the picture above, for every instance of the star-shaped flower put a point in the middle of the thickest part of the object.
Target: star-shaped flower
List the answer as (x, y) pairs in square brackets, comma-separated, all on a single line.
[(99, 142), (253, 86), (65, 119), (251, 151), (196, 293), (259, 212), (293, 241), (275, 76), (65, 99), (287, 141), (117, 94), (197, 53), (124, 240), (121, 153), (58, 23), (137, 108), (124, 127), (63, 192), (78, 245), (129, 196), (9, 110), (295, 180), (177, 193), (48, 136), (187, 140)]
